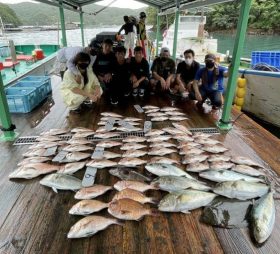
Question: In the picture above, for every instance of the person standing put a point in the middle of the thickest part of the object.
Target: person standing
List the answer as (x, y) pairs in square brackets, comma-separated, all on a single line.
[(139, 67), (121, 77), (129, 36), (142, 34), (76, 94)]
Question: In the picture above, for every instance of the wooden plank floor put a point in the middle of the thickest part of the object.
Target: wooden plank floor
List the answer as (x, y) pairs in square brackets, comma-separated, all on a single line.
[(35, 220)]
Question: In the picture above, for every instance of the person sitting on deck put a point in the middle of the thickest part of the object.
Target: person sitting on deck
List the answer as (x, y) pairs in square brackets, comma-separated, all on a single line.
[(129, 37), (163, 70), (103, 68), (211, 77), (186, 70), (75, 94), (121, 76), (140, 72), (65, 57)]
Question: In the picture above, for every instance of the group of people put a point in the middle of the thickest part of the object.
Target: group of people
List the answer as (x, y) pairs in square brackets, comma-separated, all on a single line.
[(99, 70)]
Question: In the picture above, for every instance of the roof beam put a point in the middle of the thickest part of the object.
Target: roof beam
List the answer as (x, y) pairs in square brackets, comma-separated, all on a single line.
[(67, 7)]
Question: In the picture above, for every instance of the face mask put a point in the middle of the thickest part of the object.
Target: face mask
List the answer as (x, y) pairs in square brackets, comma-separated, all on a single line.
[(83, 66), (188, 61), (210, 65)]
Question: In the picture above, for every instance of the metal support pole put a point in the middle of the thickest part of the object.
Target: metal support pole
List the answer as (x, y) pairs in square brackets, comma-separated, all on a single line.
[(5, 117), (62, 23), (224, 123), (158, 32), (176, 31), (82, 27)]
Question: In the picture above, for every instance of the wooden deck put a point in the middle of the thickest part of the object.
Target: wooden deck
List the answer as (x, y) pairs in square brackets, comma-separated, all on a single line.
[(34, 219)]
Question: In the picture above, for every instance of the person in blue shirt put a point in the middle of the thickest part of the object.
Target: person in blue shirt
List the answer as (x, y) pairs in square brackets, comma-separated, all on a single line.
[(211, 77)]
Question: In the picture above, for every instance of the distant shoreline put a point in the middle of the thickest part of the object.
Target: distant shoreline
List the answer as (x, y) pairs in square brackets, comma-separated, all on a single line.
[(250, 31)]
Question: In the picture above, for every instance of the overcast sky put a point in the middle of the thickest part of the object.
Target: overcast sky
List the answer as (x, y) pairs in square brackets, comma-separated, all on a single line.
[(119, 3)]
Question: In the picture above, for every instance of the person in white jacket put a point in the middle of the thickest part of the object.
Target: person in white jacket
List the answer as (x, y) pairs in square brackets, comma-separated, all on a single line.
[(76, 94)]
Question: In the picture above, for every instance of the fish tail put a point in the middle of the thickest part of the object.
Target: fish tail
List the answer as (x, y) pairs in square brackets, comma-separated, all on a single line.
[(154, 200), (154, 212)]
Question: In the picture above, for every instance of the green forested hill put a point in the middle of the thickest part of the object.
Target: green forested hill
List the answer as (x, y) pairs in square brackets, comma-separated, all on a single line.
[(8, 15), (43, 14)]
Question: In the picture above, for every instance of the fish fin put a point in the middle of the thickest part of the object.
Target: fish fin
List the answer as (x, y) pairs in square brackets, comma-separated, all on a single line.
[(54, 189), (185, 211), (154, 212)]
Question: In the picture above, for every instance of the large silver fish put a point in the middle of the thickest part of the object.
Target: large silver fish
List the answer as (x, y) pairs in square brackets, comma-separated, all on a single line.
[(106, 135), (132, 119), (80, 129), (227, 175), (161, 169), (169, 109), (134, 153), (207, 141), (86, 207), (48, 138), (241, 189), (176, 183), (147, 107), (161, 151), (149, 111), (101, 163), (263, 217), (132, 146), (124, 129), (44, 145), (92, 192), (175, 113), (78, 141), (61, 182), (110, 155), (185, 200), (134, 195), (183, 138), (83, 134), (129, 174), (131, 162), (157, 114), (90, 225)]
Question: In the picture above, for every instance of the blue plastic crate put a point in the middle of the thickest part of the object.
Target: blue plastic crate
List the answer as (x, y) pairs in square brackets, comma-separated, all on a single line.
[(21, 100), (45, 81), (271, 58)]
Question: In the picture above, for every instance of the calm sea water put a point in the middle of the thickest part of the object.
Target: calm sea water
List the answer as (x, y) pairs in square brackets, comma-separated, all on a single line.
[(225, 41)]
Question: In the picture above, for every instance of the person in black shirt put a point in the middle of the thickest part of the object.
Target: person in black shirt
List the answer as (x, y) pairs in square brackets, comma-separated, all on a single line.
[(121, 77), (103, 67), (139, 67), (187, 69), (129, 36)]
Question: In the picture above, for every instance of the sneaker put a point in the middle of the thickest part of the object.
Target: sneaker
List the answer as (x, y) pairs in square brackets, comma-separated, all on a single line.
[(127, 94), (141, 92), (114, 101), (135, 92)]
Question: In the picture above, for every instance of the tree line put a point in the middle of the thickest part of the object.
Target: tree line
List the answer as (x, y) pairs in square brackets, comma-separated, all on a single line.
[(264, 15)]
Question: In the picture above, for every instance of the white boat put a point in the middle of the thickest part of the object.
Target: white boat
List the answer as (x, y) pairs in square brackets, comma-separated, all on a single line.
[(191, 34), (263, 87)]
